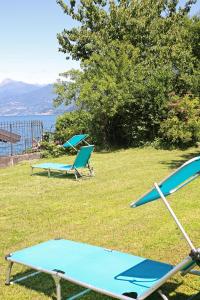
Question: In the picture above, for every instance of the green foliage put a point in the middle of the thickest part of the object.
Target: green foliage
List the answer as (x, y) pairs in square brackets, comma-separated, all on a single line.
[(105, 20), (194, 40), (182, 125), (69, 124), (134, 55), (68, 91), (51, 149), (194, 29)]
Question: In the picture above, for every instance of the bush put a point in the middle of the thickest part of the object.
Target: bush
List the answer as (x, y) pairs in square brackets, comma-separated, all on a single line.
[(50, 149), (69, 124), (181, 128)]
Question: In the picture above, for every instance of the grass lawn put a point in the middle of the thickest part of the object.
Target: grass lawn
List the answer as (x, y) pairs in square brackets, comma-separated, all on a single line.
[(96, 211)]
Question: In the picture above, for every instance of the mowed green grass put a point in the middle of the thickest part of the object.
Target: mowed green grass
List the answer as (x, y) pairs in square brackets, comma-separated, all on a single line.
[(97, 211)]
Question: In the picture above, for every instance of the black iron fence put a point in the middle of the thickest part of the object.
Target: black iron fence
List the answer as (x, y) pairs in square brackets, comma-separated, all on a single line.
[(19, 137)]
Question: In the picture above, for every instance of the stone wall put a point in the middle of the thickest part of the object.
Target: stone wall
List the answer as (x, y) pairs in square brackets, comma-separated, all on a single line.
[(7, 161)]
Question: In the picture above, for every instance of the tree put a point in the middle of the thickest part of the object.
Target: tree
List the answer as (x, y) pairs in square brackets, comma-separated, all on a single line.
[(134, 55), (104, 20), (181, 128)]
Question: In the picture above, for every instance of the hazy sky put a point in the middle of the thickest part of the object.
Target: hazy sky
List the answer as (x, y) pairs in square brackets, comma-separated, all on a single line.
[(28, 44)]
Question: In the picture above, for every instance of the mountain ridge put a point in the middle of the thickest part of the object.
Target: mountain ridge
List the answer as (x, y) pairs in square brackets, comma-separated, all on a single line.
[(21, 98)]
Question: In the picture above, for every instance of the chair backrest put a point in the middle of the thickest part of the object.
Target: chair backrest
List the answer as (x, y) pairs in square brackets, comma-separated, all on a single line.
[(83, 156), (75, 140), (182, 176)]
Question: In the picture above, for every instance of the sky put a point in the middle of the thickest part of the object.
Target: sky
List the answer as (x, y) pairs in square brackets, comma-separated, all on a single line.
[(28, 44)]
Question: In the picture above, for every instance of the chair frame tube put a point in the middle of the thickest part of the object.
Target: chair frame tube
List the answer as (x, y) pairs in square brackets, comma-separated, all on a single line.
[(72, 146), (175, 217)]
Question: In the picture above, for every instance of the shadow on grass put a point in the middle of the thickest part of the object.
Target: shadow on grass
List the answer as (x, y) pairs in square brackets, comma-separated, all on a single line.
[(64, 176), (54, 175), (176, 163), (68, 176), (171, 287), (112, 149), (44, 283)]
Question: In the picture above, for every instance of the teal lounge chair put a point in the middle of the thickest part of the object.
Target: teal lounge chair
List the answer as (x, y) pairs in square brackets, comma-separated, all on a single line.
[(81, 161), (110, 272), (75, 141)]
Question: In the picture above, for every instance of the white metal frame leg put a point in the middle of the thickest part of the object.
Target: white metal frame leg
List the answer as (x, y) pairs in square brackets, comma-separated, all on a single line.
[(175, 217), (79, 295), (77, 174), (9, 273), (58, 287), (164, 297)]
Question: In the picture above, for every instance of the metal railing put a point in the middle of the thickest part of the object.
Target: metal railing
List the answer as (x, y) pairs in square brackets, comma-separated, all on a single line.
[(30, 133)]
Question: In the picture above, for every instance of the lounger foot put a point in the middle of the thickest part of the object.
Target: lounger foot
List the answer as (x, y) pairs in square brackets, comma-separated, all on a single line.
[(77, 174), (91, 170), (92, 174), (76, 177), (9, 273)]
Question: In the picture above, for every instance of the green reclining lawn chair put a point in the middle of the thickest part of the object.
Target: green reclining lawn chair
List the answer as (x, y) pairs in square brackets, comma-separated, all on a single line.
[(75, 140), (81, 161), (113, 273)]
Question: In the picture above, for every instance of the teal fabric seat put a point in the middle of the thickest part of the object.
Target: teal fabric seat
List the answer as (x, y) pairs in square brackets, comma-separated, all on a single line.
[(178, 179), (75, 140), (81, 161), (53, 166), (117, 274)]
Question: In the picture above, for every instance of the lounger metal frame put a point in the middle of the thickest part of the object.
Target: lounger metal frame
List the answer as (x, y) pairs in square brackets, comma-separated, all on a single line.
[(73, 169), (77, 144)]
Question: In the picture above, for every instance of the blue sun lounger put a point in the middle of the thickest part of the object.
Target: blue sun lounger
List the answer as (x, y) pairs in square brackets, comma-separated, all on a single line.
[(113, 273), (81, 161), (75, 140)]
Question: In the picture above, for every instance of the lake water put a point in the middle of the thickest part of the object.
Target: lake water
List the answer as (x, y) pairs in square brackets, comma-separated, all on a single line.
[(48, 121), (28, 129)]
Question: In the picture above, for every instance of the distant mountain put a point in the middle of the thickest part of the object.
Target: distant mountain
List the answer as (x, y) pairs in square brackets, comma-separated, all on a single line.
[(20, 98), (10, 88)]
